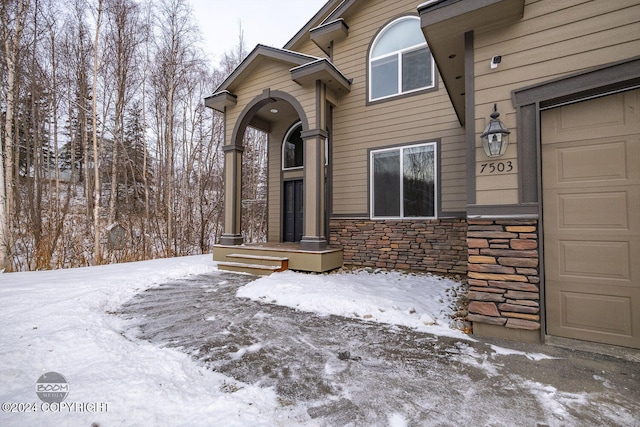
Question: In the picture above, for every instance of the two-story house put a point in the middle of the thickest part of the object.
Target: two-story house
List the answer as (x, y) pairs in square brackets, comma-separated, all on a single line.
[(383, 151)]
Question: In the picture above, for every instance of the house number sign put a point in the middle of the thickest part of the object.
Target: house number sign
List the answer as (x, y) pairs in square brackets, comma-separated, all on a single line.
[(496, 167)]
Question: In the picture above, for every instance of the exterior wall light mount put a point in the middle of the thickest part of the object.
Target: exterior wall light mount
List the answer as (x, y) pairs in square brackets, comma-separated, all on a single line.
[(495, 137)]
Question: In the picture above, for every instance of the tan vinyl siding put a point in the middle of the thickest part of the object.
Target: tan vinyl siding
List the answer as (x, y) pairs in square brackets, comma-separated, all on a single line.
[(308, 47), (554, 38), (359, 127)]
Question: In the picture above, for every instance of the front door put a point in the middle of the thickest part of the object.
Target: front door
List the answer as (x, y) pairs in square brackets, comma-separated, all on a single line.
[(293, 212)]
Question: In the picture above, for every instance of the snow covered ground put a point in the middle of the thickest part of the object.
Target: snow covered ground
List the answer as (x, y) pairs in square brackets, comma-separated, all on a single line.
[(59, 321), (421, 302), (64, 321)]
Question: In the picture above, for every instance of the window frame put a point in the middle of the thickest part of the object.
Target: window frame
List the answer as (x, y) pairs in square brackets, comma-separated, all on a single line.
[(399, 58), (282, 147), (436, 184)]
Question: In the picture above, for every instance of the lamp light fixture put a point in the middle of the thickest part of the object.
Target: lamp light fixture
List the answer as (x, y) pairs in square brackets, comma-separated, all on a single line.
[(495, 137)]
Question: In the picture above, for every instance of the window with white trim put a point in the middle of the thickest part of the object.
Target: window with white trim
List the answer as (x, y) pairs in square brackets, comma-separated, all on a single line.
[(400, 61), (403, 181), (293, 148)]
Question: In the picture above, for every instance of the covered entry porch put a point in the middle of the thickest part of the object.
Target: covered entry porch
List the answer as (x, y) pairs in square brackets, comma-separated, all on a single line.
[(280, 93)]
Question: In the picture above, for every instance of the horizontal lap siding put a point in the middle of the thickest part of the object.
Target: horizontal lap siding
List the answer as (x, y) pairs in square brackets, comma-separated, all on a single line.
[(552, 40), (358, 128), (308, 47)]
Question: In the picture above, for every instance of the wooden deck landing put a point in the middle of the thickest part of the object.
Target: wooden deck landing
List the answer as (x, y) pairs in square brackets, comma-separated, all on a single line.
[(265, 258)]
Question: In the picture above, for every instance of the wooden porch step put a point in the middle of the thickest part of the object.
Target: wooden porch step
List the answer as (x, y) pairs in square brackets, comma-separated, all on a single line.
[(281, 262), (241, 267), (254, 264), (258, 257)]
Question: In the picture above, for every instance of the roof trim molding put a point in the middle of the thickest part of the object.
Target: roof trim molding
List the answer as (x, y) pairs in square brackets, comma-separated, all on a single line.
[(595, 81), (326, 34), (220, 100), (260, 52), (323, 70)]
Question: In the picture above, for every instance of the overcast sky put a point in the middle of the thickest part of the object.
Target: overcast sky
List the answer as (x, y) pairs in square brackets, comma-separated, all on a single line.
[(268, 22)]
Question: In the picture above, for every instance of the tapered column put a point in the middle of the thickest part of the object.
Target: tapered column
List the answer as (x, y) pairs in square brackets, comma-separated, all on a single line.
[(314, 237), (232, 195)]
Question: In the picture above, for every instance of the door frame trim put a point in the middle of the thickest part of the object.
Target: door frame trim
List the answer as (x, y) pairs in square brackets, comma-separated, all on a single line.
[(529, 101)]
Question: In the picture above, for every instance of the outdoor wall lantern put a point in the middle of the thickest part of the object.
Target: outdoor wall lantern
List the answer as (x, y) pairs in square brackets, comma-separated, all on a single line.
[(495, 137)]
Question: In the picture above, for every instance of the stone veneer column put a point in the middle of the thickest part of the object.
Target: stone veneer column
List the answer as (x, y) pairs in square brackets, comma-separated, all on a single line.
[(504, 279)]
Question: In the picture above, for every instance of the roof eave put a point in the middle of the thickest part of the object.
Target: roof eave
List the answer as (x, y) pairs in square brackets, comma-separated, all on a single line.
[(326, 34), (324, 71), (444, 24), (220, 100)]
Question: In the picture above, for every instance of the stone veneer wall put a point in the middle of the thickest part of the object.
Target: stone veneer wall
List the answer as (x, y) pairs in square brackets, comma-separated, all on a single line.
[(437, 245), (503, 274)]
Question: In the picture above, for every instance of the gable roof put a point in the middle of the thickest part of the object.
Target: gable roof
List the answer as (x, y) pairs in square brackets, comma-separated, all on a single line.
[(303, 68), (261, 52)]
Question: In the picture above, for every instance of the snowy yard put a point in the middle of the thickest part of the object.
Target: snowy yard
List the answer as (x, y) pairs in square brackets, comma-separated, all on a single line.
[(72, 322)]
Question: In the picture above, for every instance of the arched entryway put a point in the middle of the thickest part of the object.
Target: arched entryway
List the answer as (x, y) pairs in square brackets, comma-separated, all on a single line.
[(276, 113)]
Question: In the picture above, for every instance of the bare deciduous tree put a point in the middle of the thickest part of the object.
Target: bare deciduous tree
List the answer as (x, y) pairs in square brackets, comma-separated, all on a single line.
[(13, 18), (97, 254), (102, 118)]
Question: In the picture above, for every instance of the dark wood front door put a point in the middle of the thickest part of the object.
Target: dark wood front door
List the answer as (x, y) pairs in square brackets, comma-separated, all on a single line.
[(293, 211)]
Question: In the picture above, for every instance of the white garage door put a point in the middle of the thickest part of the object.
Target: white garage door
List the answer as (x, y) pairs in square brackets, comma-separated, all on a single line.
[(591, 219)]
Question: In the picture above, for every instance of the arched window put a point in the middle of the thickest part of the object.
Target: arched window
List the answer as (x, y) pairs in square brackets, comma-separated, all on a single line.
[(400, 61), (293, 148)]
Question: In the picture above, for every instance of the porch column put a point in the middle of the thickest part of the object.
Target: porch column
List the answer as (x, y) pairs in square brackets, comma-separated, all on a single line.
[(232, 195), (314, 237)]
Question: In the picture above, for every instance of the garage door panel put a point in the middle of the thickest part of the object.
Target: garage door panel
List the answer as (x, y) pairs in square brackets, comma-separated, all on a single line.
[(594, 211), (600, 117), (603, 313), (591, 222), (602, 161), (594, 316), (607, 211), (592, 162), (595, 260), (582, 120)]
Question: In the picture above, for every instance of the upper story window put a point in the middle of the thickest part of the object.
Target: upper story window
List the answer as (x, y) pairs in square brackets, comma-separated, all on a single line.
[(400, 61), (293, 148)]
